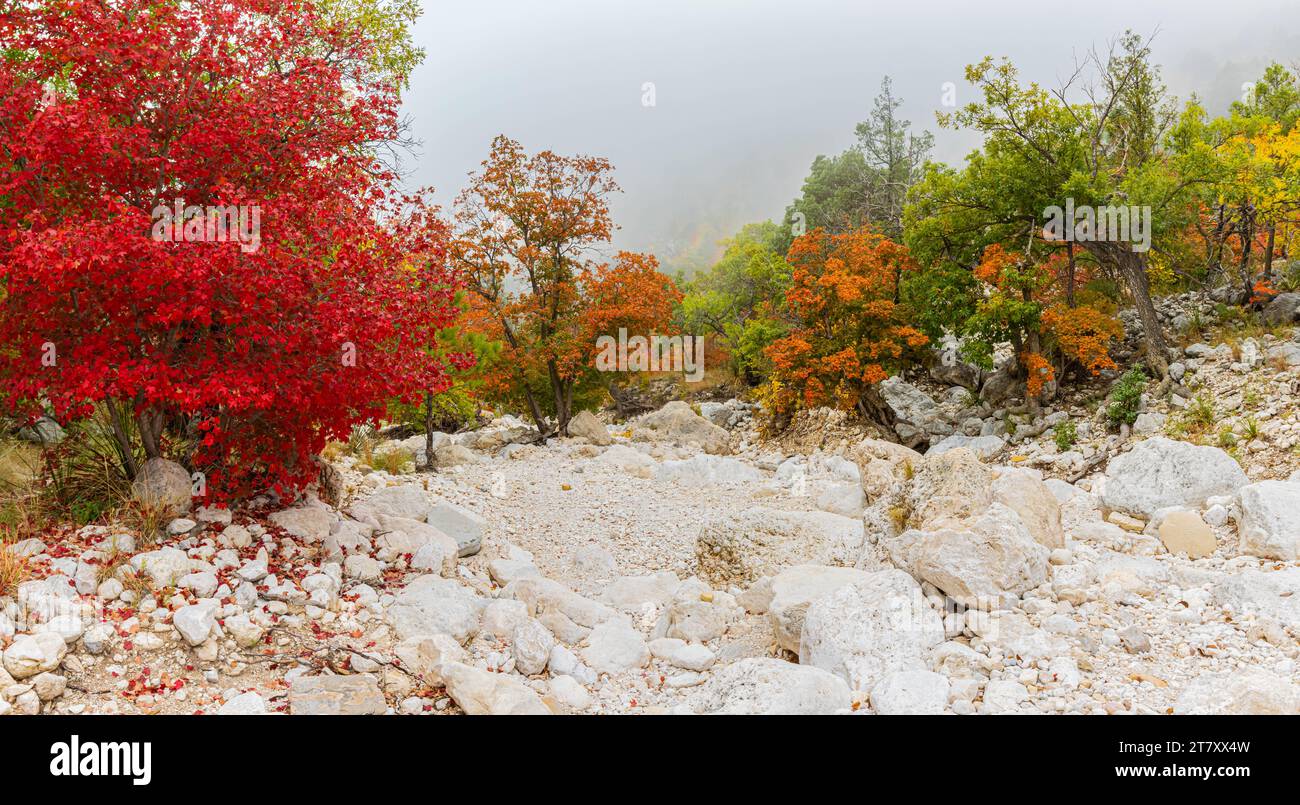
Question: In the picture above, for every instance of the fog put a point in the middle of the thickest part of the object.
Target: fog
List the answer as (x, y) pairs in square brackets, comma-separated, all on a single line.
[(746, 94)]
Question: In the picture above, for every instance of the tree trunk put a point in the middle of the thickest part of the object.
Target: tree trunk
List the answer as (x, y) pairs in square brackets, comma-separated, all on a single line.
[(1243, 265), (1157, 349), (428, 430), (150, 423), (1132, 267), (1268, 252), (568, 408), (561, 399), (536, 412), (125, 449)]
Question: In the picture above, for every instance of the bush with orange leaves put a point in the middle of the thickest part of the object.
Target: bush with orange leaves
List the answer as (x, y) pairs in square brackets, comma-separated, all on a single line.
[(847, 331), (1038, 372), (1083, 334)]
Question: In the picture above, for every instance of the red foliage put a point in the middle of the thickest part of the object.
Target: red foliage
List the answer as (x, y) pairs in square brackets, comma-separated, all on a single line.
[(215, 103)]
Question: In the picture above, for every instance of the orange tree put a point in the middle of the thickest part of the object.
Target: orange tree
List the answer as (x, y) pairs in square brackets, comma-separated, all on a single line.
[(847, 330), (527, 234)]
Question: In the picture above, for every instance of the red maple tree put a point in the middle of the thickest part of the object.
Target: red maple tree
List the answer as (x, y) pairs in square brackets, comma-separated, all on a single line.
[(245, 352)]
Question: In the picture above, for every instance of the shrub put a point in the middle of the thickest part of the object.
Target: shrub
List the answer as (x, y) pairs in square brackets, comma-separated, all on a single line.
[(1227, 439), (395, 461), (1250, 428), (254, 350), (1126, 397), (86, 472), (1201, 412), (1066, 434), (13, 570)]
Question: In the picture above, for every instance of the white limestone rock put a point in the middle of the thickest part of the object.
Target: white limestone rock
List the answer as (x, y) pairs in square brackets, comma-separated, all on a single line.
[(1270, 520), (766, 686), (866, 630), (910, 693), (1158, 473), (1250, 691)]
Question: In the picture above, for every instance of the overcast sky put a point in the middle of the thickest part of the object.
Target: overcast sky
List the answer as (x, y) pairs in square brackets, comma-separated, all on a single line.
[(747, 93)]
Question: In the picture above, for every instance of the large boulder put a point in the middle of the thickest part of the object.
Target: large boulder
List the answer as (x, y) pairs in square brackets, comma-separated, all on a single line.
[(163, 567), (910, 693), (697, 614), (30, 655), (461, 524), (329, 485), (980, 562), (946, 488), (676, 422), (1160, 473), (570, 616), (1284, 308), (425, 655), (632, 593), (483, 693), (765, 686), (586, 426), (984, 447), (909, 403), (1015, 635), (882, 465), (706, 469), (432, 605), (398, 536), (1183, 531), (614, 647), (1272, 594), (408, 501), (42, 431), (531, 645), (629, 460), (786, 597), (846, 500), (197, 622), (871, 628), (999, 386), (1023, 491), (950, 370), (1247, 692), (1270, 519), (164, 485), (310, 523), (739, 548), (453, 455), (1287, 353)]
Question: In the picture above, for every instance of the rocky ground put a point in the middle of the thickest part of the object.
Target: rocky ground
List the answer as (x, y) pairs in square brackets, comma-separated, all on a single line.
[(682, 564)]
